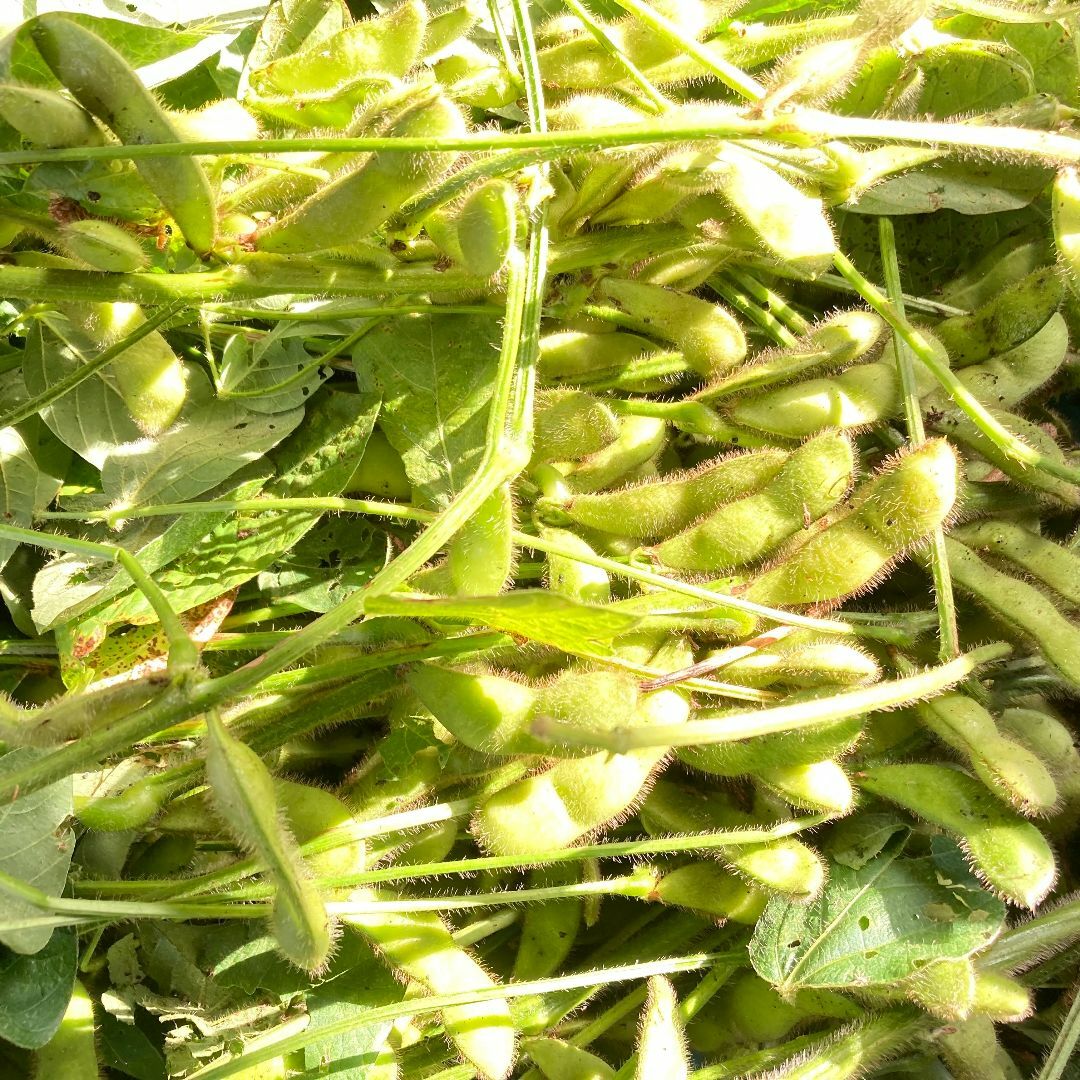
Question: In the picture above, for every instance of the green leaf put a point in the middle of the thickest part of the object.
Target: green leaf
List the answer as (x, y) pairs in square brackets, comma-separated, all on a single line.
[(92, 419), (207, 446), (25, 486), (972, 76), (528, 613), (35, 847), (35, 991), (317, 460), (126, 1049), (878, 923), (268, 365), (437, 374)]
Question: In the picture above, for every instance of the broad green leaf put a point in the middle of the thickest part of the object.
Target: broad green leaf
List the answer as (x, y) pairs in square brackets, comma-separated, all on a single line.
[(71, 584), (528, 613), (878, 923), (92, 419), (276, 368), (317, 460), (35, 847), (25, 486), (972, 76), (35, 990), (127, 1050), (97, 188), (436, 373)]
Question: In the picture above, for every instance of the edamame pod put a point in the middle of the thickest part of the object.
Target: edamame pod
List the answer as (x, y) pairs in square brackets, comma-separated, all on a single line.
[(1009, 852), (661, 1045), (353, 206), (479, 234), (811, 482), (904, 502), (548, 930), (569, 424), (640, 438), (102, 246), (709, 889), (558, 1060), (103, 82), (481, 557), (46, 118), (804, 660), (568, 354), (662, 508), (569, 577), (1065, 211), (312, 812)]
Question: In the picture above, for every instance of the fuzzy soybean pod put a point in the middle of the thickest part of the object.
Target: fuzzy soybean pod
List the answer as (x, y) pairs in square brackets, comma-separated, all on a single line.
[(1046, 735), (836, 342), (244, 795), (1009, 852), (579, 796), (1065, 211), (820, 786), (804, 659), (558, 1060), (105, 84), (149, 375), (569, 577), (640, 438), (479, 233), (810, 483), (892, 512), (791, 224), (71, 1054), (312, 813), (353, 206), (1020, 606), (101, 245), (709, 889), (707, 335), (1013, 316), (570, 354), (419, 945), (549, 929), (46, 118), (570, 424), (661, 508), (661, 1043), (1010, 770), (481, 556), (1055, 565)]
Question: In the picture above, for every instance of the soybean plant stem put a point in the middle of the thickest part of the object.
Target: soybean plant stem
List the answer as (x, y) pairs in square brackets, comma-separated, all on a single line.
[(948, 637)]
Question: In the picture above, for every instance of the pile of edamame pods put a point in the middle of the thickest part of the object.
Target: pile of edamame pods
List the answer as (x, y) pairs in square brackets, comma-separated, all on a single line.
[(542, 541)]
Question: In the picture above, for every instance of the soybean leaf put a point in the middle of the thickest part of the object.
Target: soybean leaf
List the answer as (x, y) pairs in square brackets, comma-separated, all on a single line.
[(317, 460), (877, 923), (25, 486), (528, 613), (35, 991), (268, 365), (436, 373), (208, 445), (972, 76), (35, 847), (126, 1049)]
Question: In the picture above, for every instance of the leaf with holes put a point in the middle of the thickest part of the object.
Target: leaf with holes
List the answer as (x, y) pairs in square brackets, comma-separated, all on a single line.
[(270, 375), (877, 923)]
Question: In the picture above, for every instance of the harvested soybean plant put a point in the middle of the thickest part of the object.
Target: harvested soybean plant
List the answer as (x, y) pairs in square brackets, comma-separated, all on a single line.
[(540, 539)]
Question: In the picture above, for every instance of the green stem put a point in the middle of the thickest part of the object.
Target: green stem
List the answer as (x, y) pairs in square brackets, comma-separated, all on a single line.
[(89, 367), (746, 307), (1065, 1045), (733, 727), (771, 301), (989, 425), (948, 635)]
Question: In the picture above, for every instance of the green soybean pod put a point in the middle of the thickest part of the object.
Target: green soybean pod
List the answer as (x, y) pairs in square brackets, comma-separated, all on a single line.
[(568, 354), (353, 206), (971, 1051), (1055, 565), (836, 342), (820, 786), (1010, 318), (549, 929), (570, 424), (903, 503), (244, 795), (710, 890), (707, 335), (1005, 264), (569, 577), (558, 1060), (1009, 852), (71, 1054), (944, 988), (661, 1043), (1065, 213), (103, 82), (1020, 606), (311, 813), (149, 375), (1001, 997), (481, 556), (102, 246), (487, 226), (804, 660), (380, 471), (640, 438), (810, 483), (1046, 735), (661, 508), (46, 118), (1010, 770), (663, 610), (420, 946), (791, 224)]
